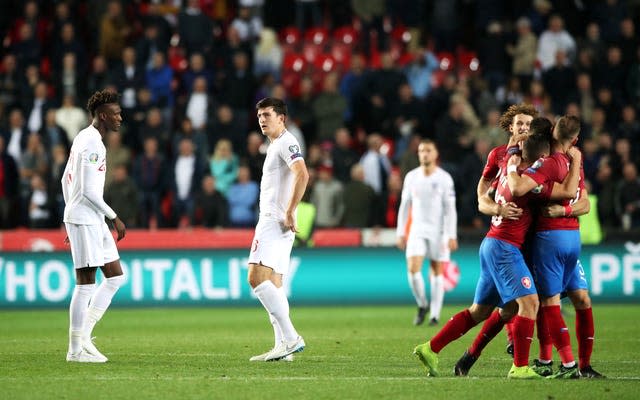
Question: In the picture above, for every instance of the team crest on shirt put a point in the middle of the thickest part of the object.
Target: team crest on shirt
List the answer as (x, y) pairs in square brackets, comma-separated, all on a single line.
[(295, 151), (535, 166), (526, 282), (93, 158)]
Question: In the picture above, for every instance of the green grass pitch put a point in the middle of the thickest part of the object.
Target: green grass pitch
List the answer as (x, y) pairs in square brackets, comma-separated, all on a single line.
[(352, 353)]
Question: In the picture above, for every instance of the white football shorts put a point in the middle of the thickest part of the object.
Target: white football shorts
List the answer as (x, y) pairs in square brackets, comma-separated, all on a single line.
[(91, 245), (429, 248), (271, 245)]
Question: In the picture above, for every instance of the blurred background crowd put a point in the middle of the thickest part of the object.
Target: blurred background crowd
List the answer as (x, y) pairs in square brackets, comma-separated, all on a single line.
[(364, 81)]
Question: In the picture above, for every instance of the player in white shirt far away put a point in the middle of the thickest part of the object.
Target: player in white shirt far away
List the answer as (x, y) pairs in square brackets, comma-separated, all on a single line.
[(428, 195), (91, 241), (284, 180)]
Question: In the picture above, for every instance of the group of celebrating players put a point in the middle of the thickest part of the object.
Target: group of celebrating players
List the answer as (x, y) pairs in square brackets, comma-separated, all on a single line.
[(533, 187)]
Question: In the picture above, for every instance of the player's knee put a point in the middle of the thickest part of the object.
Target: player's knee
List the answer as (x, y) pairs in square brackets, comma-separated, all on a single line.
[(117, 281), (580, 299)]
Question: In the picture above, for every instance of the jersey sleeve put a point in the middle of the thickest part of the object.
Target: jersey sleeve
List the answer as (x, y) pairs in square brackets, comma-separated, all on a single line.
[(92, 176), (491, 168), (289, 151), (542, 170)]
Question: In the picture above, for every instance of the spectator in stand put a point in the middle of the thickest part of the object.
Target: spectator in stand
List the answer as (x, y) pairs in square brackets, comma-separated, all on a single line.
[(99, 77), (154, 126), (248, 26), (627, 197), (437, 104), (302, 109), (143, 105), (128, 78), (420, 72), (255, 155), (198, 137), (149, 172), (122, 195), (9, 181), (523, 53), (41, 205), (27, 48), (308, 14), (591, 159), (200, 105), (211, 207), (381, 89), (53, 134), (195, 28), (70, 117), (118, 155), (377, 168), (409, 159), (68, 80), (197, 69), (360, 200), (613, 74), (34, 160), (37, 110), (393, 200), (15, 137), (511, 94), (69, 43), (327, 197), (492, 54), (188, 171), (114, 30), (407, 119), (62, 17), (351, 88), (584, 96), (490, 131), (451, 128), (224, 57), (553, 39), (371, 14), (32, 18), (611, 105), (471, 169), (599, 124), (559, 81), (445, 24), (159, 80), (243, 200), (608, 14), (539, 97), (329, 108), (148, 45), (592, 42), (224, 165), (628, 42), (227, 125), (239, 85), (629, 128), (9, 81), (267, 56), (343, 157)]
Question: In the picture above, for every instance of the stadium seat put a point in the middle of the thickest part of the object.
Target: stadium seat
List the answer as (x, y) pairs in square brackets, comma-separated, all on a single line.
[(318, 35), (346, 35), (447, 61), (468, 62), (290, 37), (324, 63), (341, 53), (177, 59), (294, 62), (310, 51)]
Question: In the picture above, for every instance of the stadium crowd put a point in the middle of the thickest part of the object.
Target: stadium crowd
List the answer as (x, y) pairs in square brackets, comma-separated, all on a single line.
[(364, 80)]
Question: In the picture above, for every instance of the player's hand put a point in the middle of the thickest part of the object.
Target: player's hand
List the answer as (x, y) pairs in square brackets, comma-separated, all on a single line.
[(290, 222), (515, 139), (514, 160), (401, 242), (510, 211), (119, 227), (574, 153), (453, 244), (553, 211)]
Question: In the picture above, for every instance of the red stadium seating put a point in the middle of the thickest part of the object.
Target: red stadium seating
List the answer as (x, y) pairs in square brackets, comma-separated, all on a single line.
[(346, 35), (319, 36)]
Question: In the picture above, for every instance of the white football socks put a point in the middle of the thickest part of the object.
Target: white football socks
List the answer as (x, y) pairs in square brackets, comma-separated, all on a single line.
[(416, 282), (77, 315), (437, 295), (277, 331), (277, 305), (100, 302)]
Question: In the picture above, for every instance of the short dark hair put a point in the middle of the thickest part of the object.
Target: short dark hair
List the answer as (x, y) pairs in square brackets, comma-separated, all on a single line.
[(100, 98), (534, 146), (542, 126), (279, 106), (568, 127)]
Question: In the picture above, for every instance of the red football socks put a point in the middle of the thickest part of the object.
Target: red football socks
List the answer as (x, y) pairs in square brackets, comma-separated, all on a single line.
[(522, 336), (544, 338), (457, 326), (489, 330), (585, 333), (559, 332)]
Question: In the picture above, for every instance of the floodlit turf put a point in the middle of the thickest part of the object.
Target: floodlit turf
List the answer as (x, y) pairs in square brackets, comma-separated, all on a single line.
[(352, 353)]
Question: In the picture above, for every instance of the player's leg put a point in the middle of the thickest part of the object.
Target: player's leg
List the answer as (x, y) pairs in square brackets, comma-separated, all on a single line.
[(550, 311), (436, 281), (543, 365), (585, 330), (415, 252)]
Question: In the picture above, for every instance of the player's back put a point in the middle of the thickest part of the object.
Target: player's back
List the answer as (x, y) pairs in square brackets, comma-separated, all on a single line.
[(511, 231), (85, 168)]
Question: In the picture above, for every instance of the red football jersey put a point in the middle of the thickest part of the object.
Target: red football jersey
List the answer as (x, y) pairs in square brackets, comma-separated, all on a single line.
[(545, 172), (494, 160), (511, 231)]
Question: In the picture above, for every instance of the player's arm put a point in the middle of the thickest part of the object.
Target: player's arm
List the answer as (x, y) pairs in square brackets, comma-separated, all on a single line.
[(450, 216), (518, 184), (300, 180), (569, 187), (580, 207), (483, 185), (403, 213), (488, 206)]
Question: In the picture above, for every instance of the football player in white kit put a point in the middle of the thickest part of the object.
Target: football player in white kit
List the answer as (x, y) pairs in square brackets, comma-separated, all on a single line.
[(284, 180), (92, 245), (429, 195)]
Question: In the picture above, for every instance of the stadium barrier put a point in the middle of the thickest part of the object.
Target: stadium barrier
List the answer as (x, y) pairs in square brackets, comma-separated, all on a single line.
[(328, 275)]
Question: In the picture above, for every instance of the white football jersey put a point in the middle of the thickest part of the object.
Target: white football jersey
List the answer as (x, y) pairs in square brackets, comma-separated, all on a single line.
[(277, 179), (83, 180), (432, 201)]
